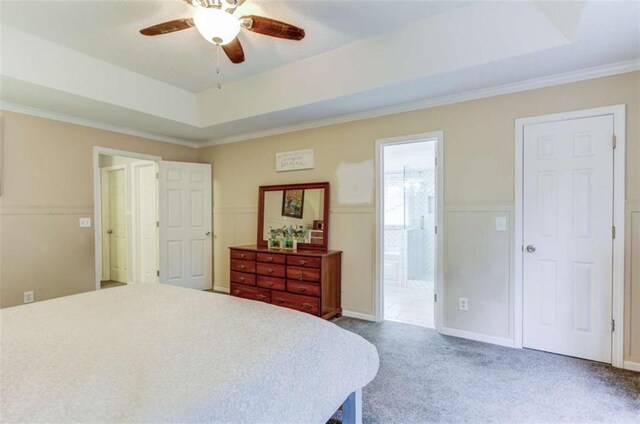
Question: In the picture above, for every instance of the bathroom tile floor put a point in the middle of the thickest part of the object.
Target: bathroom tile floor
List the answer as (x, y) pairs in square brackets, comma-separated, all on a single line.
[(412, 304)]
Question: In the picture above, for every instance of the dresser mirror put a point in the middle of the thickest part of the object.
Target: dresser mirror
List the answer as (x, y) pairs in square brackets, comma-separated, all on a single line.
[(301, 210)]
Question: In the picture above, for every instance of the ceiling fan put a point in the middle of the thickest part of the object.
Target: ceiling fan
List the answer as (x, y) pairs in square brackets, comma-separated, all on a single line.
[(217, 24)]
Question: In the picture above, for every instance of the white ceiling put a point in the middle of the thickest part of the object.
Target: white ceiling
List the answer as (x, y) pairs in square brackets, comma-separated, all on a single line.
[(108, 30), (357, 56)]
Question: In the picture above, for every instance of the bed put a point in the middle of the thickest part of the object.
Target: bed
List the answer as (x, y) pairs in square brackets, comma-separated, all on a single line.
[(158, 353)]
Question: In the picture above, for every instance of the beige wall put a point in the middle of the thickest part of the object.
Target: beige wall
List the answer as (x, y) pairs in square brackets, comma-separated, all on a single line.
[(479, 185), (47, 186)]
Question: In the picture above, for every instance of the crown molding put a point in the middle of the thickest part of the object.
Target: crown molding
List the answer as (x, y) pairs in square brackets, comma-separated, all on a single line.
[(41, 113), (531, 84)]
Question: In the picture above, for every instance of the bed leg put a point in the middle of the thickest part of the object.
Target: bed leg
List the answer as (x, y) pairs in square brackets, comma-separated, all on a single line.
[(352, 408)]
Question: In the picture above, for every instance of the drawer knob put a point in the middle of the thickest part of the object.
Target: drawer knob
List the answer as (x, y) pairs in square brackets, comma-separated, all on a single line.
[(242, 256), (279, 300), (269, 271), (300, 276), (237, 292), (243, 267), (306, 306), (302, 289), (242, 279), (271, 283), (261, 297), (270, 259), (302, 262)]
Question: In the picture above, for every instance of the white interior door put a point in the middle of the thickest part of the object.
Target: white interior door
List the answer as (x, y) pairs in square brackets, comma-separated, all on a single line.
[(185, 224), (145, 200), (567, 237), (117, 226)]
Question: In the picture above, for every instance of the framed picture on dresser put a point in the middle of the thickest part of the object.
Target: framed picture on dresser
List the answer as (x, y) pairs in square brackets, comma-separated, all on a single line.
[(293, 203)]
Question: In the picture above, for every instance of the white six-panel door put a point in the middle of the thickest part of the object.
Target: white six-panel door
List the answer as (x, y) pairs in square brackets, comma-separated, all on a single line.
[(117, 231), (185, 224), (567, 237)]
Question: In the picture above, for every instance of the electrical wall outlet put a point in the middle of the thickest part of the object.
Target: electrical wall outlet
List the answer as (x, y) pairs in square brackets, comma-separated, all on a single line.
[(85, 222), (463, 303), (28, 296)]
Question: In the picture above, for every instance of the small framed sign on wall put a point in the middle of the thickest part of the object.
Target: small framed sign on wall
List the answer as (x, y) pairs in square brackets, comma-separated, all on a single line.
[(295, 160)]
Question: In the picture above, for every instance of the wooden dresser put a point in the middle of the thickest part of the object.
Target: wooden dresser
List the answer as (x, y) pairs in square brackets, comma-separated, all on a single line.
[(305, 280)]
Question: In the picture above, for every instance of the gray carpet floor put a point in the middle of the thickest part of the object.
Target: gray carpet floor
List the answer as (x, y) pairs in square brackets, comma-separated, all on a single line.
[(425, 377)]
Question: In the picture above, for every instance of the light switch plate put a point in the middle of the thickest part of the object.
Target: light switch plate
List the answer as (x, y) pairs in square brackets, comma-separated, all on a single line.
[(501, 223), (463, 303), (85, 222)]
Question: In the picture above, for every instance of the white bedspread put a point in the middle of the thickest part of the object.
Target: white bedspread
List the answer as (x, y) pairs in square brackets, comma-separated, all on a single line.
[(157, 353)]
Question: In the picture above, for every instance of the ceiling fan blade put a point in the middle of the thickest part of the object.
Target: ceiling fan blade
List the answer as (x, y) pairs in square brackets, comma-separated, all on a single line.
[(167, 27), (234, 51), (267, 26)]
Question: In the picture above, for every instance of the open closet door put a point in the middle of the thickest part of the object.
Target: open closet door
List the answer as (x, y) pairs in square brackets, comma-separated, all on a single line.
[(185, 224)]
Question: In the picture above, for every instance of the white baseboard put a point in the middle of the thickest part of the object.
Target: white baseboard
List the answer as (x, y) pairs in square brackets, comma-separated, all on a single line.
[(633, 366), (221, 289), (359, 315), (501, 341)]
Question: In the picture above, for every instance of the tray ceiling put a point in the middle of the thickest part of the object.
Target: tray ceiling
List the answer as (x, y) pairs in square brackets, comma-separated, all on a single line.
[(108, 30), (357, 56)]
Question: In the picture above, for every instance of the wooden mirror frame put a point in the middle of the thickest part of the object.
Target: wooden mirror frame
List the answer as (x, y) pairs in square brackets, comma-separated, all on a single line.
[(308, 186)]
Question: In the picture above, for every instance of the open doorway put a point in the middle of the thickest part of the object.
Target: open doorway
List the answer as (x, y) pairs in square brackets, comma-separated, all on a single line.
[(153, 220), (407, 233), (129, 216)]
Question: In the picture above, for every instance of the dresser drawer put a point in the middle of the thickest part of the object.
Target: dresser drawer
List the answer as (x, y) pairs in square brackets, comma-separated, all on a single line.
[(309, 289), (296, 301), (303, 274), (304, 261), (243, 255), (253, 293), (272, 258), (243, 278), (271, 270), (271, 282), (243, 266)]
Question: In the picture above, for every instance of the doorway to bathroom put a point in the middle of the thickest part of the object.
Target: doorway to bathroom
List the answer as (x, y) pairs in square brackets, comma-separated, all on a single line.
[(408, 219)]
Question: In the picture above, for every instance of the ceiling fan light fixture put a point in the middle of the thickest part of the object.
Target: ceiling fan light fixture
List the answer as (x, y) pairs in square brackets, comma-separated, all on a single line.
[(216, 25), (229, 5)]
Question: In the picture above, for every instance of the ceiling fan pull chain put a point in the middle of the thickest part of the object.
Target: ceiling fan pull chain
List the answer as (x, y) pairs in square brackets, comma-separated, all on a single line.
[(218, 67)]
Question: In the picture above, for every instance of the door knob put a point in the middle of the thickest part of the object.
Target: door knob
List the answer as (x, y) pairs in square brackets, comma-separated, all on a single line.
[(208, 233), (109, 231), (531, 248)]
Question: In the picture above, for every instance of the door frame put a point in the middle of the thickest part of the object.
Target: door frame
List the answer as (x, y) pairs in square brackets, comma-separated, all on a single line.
[(438, 136), (97, 200), (617, 311)]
